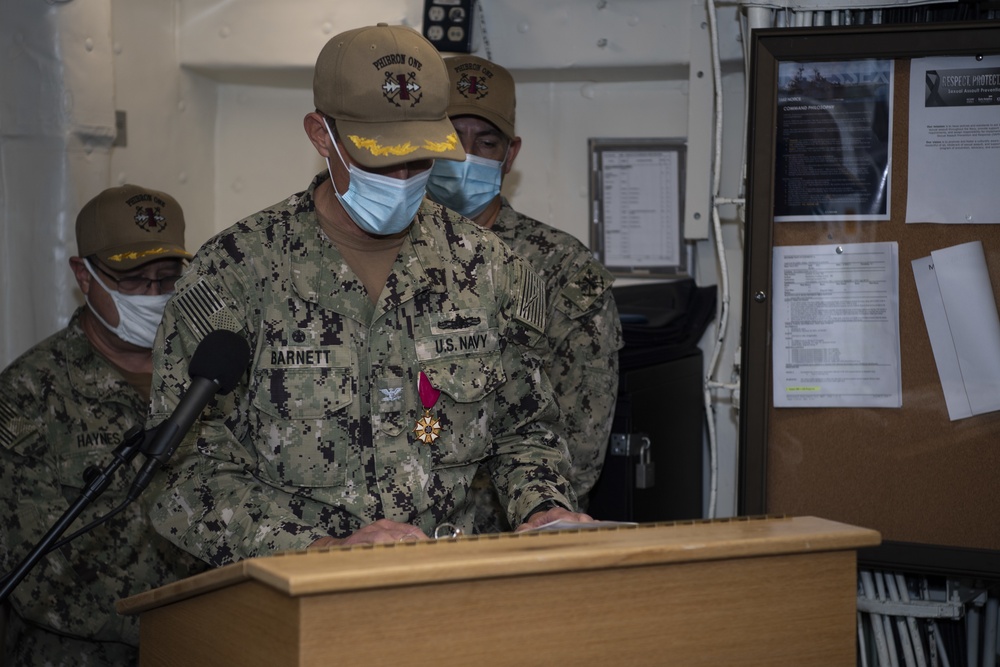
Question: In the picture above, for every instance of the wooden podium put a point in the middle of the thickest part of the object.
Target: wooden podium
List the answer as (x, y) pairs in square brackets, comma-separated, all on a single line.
[(750, 591)]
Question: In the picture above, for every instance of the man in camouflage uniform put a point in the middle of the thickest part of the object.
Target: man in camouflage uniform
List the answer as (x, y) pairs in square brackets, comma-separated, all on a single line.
[(65, 406), (391, 340), (582, 332)]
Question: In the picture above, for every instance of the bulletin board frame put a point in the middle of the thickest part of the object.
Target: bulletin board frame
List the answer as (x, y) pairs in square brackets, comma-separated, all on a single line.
[(928, 484)]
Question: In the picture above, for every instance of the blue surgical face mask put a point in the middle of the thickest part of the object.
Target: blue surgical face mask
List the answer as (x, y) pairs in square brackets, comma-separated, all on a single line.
[(467, 187), (380, 205)]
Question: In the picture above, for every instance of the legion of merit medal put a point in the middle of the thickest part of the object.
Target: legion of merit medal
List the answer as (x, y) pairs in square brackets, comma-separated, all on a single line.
[(428, 427)]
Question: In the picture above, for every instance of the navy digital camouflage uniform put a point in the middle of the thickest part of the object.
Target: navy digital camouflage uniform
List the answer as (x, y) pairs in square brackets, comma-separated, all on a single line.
[(580, 352), (318, 439), (63, 410)]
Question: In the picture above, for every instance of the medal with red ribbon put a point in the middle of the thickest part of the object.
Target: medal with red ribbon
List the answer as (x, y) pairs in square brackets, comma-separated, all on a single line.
[(427, 428)]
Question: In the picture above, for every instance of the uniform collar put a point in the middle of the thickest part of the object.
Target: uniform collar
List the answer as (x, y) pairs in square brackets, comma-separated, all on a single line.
[(319, 272), (505, 224), (90, 374)]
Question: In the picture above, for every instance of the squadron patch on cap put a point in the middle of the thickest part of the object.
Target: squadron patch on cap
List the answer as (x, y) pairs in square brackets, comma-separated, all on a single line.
[(149, 218), (403, 88), (473, 87)]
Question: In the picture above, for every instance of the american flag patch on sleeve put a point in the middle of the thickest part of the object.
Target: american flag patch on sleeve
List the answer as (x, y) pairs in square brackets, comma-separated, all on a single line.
[(12, 425), (204, 310), (530, 295)]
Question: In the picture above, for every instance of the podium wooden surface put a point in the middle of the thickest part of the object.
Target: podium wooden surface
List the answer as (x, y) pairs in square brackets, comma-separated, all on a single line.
[(749, 591)]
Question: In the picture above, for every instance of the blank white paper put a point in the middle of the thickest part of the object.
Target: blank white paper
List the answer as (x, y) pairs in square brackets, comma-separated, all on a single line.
[(964, 329)]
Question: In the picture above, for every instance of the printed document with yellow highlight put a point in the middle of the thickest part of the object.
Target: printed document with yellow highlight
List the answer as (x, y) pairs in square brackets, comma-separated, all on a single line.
[(835, 326)]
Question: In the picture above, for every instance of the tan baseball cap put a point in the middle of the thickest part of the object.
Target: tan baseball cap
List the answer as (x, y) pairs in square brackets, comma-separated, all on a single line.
[(130, 225), (387, 89), (482, 88)]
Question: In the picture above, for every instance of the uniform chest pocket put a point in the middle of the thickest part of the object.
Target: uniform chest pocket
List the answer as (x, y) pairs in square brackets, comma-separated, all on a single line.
[(464, 364), (465, 379), (302, 424), (302, 393), (466, 414), (73, 465)]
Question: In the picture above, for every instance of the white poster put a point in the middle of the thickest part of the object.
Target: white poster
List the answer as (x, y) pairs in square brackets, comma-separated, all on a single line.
[(954, 145), (835, 332), (960, 312)]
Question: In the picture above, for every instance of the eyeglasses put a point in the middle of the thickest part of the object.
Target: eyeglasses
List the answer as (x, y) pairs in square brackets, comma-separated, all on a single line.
[(140, 284)]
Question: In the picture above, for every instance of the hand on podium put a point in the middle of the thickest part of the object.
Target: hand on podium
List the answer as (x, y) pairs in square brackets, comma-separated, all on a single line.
[(562, 514), (385, 531), (380, 532)]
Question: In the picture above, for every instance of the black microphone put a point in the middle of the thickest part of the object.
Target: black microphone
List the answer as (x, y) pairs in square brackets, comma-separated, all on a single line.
[(217, 365)]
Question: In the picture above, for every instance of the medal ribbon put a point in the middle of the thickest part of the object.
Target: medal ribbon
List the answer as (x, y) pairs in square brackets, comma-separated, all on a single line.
[(428, 394), (428, 428)]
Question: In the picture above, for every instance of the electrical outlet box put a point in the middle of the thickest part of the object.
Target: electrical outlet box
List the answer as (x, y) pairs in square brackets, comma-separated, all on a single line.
[(448, 24)]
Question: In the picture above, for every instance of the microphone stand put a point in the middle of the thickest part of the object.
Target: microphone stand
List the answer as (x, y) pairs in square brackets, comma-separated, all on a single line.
[(135, 438)]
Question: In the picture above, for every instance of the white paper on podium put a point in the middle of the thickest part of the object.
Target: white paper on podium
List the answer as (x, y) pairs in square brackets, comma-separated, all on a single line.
[(962, 322), (563, 524)]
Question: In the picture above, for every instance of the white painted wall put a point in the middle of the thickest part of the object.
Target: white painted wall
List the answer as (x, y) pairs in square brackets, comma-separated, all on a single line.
[(56, 127), (215, 92), (171, 112)]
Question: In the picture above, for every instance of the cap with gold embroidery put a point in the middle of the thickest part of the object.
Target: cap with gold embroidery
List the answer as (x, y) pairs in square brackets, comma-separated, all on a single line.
[(481, 88), (130, 225), (387, 89)]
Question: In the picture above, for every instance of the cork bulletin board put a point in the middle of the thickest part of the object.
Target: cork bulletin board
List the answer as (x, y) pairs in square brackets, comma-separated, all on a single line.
[(929, 484)]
